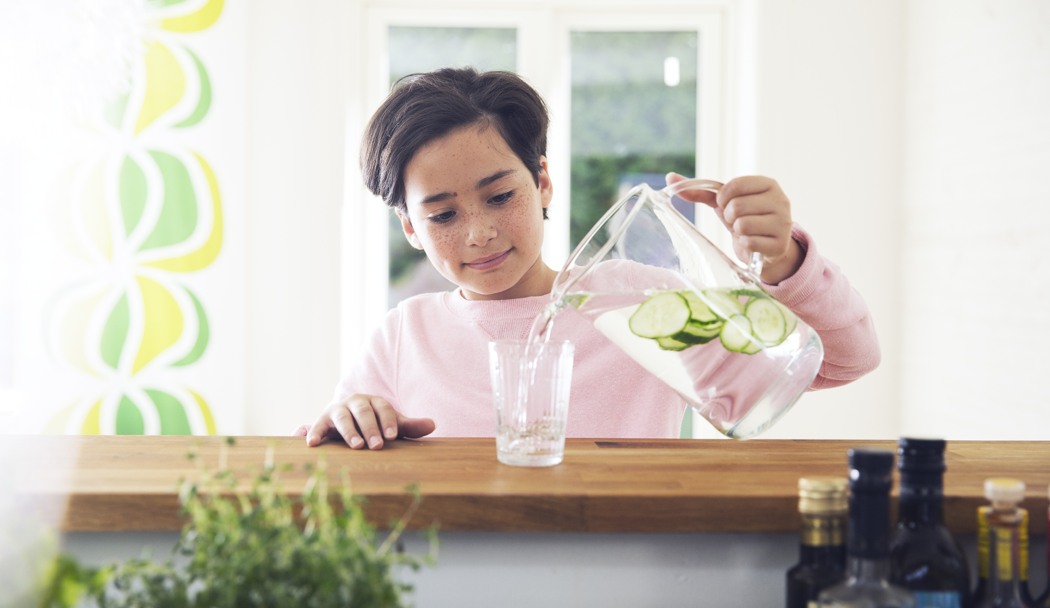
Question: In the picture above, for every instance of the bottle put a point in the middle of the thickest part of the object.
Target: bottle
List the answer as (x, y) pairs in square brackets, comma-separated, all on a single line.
[(822, 544), (1003, 546), (924, 556), (1044, 600), (868, 538)]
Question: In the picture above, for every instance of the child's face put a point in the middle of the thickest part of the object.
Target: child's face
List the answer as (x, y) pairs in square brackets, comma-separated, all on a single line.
[(476, 211)]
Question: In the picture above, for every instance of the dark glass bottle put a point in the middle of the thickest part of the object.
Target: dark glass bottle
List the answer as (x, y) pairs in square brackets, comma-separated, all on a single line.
[(868, 538), (1044, 600), (924, 556), (1004, 546), (822, 543)]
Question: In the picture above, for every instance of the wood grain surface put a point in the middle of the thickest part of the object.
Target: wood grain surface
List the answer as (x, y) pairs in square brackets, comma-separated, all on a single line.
[(112, 483)]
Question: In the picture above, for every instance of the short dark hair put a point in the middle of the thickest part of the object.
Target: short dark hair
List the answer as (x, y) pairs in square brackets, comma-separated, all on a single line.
[(424, 107)]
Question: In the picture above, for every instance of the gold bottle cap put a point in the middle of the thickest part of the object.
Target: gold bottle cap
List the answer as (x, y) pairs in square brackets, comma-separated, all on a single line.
[(1004, 490), (823, 495)]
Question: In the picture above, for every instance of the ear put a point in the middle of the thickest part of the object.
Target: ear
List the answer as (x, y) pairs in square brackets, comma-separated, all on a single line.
[(545, 185), (410, 232)]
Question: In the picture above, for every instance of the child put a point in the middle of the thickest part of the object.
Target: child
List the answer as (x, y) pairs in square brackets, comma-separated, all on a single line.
[(461, 158)]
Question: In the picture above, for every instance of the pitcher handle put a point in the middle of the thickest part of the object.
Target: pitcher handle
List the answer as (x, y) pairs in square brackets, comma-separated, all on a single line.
[(754, 264)]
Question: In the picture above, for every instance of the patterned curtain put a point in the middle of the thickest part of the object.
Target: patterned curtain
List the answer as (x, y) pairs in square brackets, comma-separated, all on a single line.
[(137, 216)]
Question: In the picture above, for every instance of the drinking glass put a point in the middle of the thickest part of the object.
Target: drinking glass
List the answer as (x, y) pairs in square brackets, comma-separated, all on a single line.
[(530, 388)]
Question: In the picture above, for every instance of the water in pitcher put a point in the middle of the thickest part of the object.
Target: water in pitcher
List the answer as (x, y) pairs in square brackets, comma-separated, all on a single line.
[(660, 291), (737, 356)]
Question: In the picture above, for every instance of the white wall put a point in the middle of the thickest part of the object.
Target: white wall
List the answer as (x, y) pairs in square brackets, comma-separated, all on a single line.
[(299, 54), (977, 223), (908, 134), (828, 128)]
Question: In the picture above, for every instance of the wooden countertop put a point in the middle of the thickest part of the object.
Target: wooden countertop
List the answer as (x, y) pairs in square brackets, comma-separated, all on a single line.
[(110, 483)]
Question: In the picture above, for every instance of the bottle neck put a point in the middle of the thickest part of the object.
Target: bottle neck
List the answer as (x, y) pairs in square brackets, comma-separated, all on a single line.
[(823, 530), (921, 498), (868, 530), (1007, 554), (831, 556), (863, 569)]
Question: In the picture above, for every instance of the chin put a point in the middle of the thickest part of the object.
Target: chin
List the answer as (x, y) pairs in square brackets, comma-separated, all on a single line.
[(488, 291)]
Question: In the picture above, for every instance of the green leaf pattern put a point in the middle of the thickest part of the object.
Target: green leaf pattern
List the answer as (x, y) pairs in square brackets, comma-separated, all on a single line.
[(143, 218)]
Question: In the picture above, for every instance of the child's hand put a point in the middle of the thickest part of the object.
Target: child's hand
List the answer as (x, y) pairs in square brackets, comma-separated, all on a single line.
[(357, 420), (758, 215)]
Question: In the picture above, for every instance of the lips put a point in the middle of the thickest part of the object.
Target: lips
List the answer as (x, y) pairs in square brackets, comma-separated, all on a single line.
[(488, 262)]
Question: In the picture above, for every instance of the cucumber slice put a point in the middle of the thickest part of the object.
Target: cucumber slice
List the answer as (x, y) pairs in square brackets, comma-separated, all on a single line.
[(753, 346), (736, 335), (695, 333), (768, 324), (662, 315), (721, 303), (667, 343), (749, 293), (789, 316), (699, 311)]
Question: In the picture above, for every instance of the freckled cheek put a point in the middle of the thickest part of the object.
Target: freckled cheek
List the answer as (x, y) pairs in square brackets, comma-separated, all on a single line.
[(528, 222), (518, 220), (446, 241)]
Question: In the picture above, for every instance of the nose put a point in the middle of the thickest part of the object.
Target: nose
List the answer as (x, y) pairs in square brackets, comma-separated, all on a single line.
[(480, 229)]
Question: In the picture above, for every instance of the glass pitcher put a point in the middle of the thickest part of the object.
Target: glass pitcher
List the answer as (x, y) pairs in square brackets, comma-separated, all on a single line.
[(699, 320)]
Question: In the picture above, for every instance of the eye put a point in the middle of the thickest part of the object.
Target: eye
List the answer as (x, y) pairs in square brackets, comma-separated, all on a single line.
[(502, 199), (442, 218)]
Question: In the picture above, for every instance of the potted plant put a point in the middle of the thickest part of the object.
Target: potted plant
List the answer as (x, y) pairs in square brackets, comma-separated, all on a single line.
[(254, 547)]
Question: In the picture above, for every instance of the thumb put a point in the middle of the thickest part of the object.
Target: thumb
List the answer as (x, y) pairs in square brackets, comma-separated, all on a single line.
[(673, 177), (701, 191), (412, 428)]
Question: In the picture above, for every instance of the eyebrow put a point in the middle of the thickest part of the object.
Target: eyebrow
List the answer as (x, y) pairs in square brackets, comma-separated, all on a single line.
[(485, 181), (493, 178)]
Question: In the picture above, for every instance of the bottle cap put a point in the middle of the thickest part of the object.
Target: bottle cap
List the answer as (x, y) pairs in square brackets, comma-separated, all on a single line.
[(822, 495), (1004, 489), (921, 465), (920, 455), (871, 470)]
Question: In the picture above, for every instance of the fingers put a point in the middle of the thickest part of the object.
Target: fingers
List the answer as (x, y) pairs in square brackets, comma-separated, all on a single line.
[(747, 185), (413, 428), (693, 195), (758, 213), (364, 421), (358, 421), (762, 228), (320, 430), (301, 430)]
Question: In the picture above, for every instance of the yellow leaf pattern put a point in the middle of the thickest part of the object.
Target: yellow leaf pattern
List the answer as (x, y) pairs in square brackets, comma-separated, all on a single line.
[(144, 217)]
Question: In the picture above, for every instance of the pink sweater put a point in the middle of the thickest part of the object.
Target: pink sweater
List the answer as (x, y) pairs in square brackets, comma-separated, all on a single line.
[(430, 357)]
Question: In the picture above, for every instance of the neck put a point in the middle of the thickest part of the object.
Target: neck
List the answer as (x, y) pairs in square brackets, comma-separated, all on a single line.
[(921, 509), (867, 569)]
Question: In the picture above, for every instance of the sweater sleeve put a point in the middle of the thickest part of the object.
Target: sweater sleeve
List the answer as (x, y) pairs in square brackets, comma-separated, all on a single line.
[(820, 295), (375, 369)]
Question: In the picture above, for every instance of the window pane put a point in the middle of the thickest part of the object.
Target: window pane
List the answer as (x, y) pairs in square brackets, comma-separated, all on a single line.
[(420, 49), (634, 108)]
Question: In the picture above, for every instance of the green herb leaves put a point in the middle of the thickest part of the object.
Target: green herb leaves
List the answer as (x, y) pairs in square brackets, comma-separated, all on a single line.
[(256, 547)]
